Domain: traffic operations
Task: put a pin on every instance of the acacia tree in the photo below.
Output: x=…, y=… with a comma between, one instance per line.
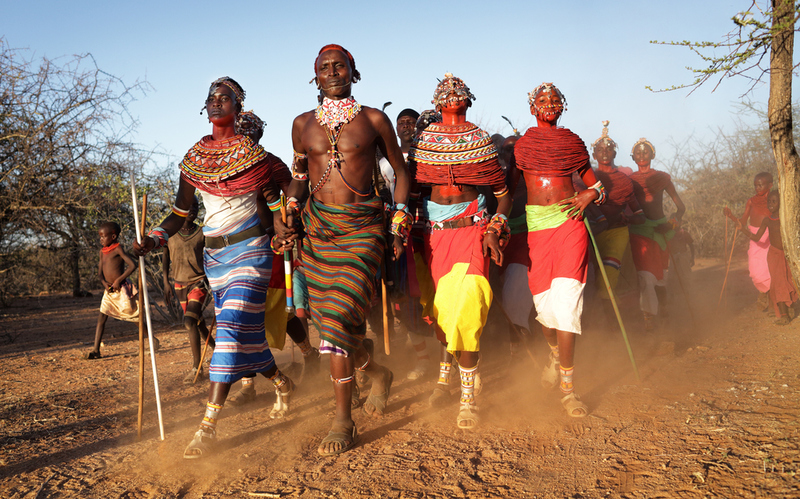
x=762, y=34
x=65, y=153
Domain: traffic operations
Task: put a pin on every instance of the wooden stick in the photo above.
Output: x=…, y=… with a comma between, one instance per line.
x=613, y=299
x=147, y=310
x=205, y=348
x=733, y=245
x=726, y=236
x=141, y=330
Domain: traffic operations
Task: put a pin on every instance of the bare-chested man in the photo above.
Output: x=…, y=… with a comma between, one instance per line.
x=649, y=240
x=548, y=155
x=335, y=147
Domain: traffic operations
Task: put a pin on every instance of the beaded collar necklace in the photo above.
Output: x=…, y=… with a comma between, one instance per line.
x=109, y=248
x=333, y=115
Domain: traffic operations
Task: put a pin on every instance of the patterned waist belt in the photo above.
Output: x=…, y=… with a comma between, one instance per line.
x=454, y=224
x=222, y=241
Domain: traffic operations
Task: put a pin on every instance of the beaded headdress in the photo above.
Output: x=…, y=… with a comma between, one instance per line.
x=229, y=82
x=332, y=46
x=604, y=138
x=547, y=87
x=644, y=141
x=249, y=124
x=451, y=85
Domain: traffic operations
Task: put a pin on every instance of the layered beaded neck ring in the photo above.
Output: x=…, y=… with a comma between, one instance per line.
x=333, y=115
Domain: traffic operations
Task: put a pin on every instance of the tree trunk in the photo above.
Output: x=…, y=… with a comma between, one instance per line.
x=780, y=129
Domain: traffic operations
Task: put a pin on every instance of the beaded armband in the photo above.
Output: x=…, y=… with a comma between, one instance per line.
x=601, y=193
x=181, y=213
x=274, y=205
x=498, y=225
x=301, y=176
x=159, y=237
x=401, y=221
x=502, y=193
x=277, y=248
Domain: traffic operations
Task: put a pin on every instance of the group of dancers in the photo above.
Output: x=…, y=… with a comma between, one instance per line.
x=453, y=209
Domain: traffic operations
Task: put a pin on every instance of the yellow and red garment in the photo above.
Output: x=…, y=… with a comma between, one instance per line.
x=275, y=314
x=612, y=244
x=559, y=259
x=460, y=276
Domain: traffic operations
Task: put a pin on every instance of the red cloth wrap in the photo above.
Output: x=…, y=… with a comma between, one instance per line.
x=646, y=184
x=228, y=167
x=460, y=154
x=618, y=187
x=550, y=152
x=781, y=288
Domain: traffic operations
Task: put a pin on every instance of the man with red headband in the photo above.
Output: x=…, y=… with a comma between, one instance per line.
x=334, y=159
x=649, y=240
x=548, y=155
x=454, y=157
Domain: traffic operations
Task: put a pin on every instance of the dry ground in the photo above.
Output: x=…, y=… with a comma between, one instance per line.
x=714, y=415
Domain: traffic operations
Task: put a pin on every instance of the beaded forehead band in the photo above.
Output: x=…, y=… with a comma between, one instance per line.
x=604, y=138
x=228, y=82
x=546, y=87
x=451, y=85
x=646, y=142
x=332, y=46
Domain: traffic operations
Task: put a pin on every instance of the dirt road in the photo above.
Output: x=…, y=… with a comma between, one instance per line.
x=714, y=415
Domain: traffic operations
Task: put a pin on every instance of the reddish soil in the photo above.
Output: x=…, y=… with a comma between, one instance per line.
x=715, y=414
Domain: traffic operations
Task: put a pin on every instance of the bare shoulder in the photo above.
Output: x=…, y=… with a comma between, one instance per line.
x=301, y=120
x=375, y=116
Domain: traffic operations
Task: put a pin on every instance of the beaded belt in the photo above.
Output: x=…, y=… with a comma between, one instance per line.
x=455, y=224
x=222, y=241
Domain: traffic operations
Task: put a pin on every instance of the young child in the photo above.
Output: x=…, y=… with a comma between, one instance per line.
x=782, y=292
x=114, y=268
x=756, y=210
x=183, y=260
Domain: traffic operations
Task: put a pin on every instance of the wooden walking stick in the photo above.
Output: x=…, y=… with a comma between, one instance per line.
x=141, y=330
x=613, y=299
x=384, y=294
x=143, y=290
x=728, y=268
x=287, y=265
x=205, y=348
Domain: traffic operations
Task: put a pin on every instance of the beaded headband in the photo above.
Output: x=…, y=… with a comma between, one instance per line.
x=604, y=138
x=546, y=87
x=644, y=141
x=228, y=82
x=451, y=85
x=332, y=46
x=248, y=123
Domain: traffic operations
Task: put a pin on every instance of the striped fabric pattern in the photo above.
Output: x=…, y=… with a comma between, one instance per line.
x=342, y=254
x=239, y=276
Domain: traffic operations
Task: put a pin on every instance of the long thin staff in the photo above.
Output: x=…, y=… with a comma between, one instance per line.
x=384, y=294
x=287, y=264
x=141, y=331
x=143, y=290
x=205, y=348
x=613, y=299
x=728, y=268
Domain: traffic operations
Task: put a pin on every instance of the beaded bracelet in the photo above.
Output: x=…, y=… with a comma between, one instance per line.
x=401, y=223
x=276, y=246
x=601, y=193
x=159, y=237
x=498, y=225
x=502, y=193
x=181, y=213
x=301, y=176
x=274, y=205
x=292, y=206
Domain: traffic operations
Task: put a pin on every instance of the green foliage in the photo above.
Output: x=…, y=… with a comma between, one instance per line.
x=745, y=49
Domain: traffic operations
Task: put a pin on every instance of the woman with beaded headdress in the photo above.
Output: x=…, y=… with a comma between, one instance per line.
x=334, y=159
x=233, y=175
x=613, y=241
x=277, y=322
x=548, y=155
x=649, y=240
x=454, y=157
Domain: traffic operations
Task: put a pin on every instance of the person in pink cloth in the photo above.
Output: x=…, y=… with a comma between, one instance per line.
x=754, y=213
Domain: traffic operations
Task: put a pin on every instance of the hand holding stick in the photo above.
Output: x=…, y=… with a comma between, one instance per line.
x=287, y=264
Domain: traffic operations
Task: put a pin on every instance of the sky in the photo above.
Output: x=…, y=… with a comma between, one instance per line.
x=598, y=53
